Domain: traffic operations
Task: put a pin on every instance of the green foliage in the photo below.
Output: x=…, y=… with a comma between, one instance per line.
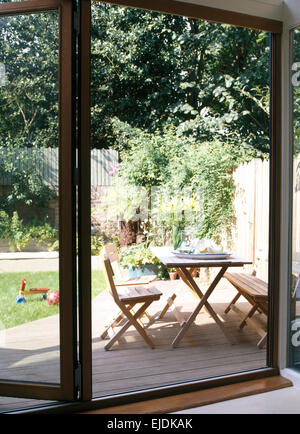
x=27, y=186
x=297, y=121
x=212, y=166
x=296, y=92
x=28, y=104
x=97, y=243
x=29, y=94
x=200, y=190
x=146, y=157
x=188, y=184
x=148, y=69
x=20, y=235
x=4, y=224
x=176, y=235
x=166, y=89
x=12, y=229
x=151, y=70
x=137, y=255
x=41, y=232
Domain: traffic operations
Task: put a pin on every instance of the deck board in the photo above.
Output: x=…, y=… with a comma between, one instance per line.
x=32, y=352
x=204, y=352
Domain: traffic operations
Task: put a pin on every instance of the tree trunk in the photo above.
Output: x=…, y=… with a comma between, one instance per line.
x=128, y=231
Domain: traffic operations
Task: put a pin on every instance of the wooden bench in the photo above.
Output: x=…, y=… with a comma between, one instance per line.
x=255, y=291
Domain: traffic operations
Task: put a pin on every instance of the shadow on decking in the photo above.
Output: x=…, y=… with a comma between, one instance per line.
x=130, y=365
x=204, y=351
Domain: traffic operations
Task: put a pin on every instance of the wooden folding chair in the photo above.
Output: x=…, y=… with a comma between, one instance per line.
x=126, y=298
x=122, y=276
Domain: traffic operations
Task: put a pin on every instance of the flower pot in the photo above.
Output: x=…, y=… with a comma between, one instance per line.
x=144, y=270
x=173, y=275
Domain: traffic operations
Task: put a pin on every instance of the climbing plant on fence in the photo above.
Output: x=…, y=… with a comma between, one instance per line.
x=176, y=182
x=26, y=182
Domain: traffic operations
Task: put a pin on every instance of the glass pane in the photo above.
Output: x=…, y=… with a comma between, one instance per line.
x=295, y=278
x=180, y=152
x=29, y=251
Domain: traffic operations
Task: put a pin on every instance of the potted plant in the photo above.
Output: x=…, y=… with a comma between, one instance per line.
x=177, y=235
x=140, y=261
x=172, y=273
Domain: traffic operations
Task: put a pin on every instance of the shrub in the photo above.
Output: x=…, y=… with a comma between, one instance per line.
x=19, y=235
x=188, y=184
x=27, y=185
x=137, y=255
x=96, y=244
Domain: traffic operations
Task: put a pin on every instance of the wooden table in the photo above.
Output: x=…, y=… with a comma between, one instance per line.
x=184, y=268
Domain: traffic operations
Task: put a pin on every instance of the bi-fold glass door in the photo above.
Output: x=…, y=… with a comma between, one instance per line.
x=294, y=355
x=124, y=86
x=39, y=188
x=38, y=349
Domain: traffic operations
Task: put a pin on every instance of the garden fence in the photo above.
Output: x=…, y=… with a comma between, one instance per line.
x=251, y=203
x=251, y=229
x=45, y=161
x=250, y=234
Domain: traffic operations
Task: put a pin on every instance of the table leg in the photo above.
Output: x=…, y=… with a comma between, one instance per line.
x=263, y=341
x=185, y=276
x=203, y=302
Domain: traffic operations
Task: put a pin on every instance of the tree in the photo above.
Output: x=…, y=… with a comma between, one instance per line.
x=29, y=94
x=148, y=69
x=151, y=70
x=166, y=181
x=296, y=92
x=28, y=104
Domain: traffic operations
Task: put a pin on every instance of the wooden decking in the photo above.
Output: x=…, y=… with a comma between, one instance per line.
x=31, y=351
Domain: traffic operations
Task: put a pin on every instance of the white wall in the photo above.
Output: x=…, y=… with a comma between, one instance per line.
x=291, y=19
x=272, y=9
x=291, y=13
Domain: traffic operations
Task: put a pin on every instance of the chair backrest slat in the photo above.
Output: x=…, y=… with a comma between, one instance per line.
x=112, y=253
x=109, y=276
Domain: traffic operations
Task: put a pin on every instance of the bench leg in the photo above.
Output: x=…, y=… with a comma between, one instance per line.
x=167, y=306
x=249, y=315
x=170, y=305
x=263, y=341
x=232, y=302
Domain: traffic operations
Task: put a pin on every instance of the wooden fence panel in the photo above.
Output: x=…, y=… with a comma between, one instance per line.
x=45, y=162
x=250, y=235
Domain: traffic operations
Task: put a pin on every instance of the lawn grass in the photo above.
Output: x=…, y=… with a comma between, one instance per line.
x=13, y=314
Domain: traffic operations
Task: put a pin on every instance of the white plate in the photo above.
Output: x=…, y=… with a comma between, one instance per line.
x=223, y=255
